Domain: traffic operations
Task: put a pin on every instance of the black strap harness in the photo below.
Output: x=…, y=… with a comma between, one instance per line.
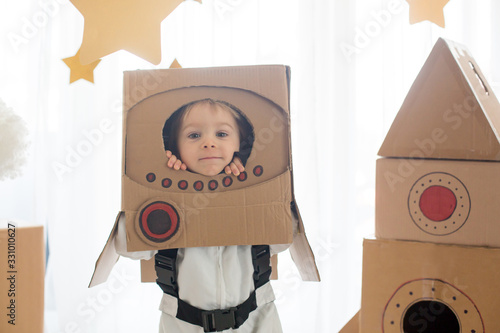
x=212, y=320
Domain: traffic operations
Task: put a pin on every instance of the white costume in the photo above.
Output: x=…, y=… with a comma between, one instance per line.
x=212, y=278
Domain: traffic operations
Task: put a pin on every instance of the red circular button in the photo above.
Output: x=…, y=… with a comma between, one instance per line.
x=258, y=170
x=242, y=176
x=159, y=221
x=198, y=185
x=227, y=181
x=150, y=177
x=166, y=182
x=437, y=203
x=182, y=184
x=212, y=185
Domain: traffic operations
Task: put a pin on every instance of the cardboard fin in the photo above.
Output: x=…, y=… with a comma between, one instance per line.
x=301, y=252
x=107, y=259
x=450, y=111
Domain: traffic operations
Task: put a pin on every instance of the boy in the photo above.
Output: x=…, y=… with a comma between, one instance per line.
x=200, y=129
x=209, y=137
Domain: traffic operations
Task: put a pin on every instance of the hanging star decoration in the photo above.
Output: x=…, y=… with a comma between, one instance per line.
x=130, y=25
x=430, y=10
x=79, y=71
x=175, y=64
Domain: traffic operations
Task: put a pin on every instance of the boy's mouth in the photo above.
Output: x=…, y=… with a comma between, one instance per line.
x=210, y=158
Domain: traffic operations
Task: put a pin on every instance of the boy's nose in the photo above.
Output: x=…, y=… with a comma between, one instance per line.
x=209, y=143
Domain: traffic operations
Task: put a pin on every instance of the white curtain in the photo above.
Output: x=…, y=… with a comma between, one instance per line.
x=352, y=65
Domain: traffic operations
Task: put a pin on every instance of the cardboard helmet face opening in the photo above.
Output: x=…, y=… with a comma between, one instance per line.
x=264, y=144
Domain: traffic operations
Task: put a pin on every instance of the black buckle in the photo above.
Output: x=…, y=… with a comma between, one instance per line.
x=166, y=273
x=261, y=255
x=219, y=320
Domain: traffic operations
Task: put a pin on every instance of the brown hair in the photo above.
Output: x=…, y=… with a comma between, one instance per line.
x=173, y=124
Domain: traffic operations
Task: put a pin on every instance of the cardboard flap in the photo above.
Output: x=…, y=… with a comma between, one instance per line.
x=303, y=257
x=301, y=252
x=450, y=111
x=107, y=258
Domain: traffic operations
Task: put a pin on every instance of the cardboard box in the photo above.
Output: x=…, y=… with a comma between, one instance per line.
x=22, y=265
x=442, y=152
x=257, y=207
x=427, y=287
x=254, y=209
x=442, y=201
x=450, y=111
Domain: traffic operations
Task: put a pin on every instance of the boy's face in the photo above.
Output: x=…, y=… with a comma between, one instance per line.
x=208, y=138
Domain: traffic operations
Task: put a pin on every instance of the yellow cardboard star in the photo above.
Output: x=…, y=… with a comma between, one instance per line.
x=431, y=10
x=175, y=64
x=79, y=71
x=132, y=25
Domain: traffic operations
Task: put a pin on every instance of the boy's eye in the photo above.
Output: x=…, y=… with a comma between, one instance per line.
x=222, y=134
x=194, y=135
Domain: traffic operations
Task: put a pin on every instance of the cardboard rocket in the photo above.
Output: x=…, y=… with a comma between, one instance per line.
x=165, y=208
x=433, y=264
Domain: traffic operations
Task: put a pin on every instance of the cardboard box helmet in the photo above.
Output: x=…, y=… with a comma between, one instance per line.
x=165, y=208
x=168, y=208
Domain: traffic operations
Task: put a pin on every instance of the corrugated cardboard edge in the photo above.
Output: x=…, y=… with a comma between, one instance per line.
x=352, y=325
x=107, y=259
